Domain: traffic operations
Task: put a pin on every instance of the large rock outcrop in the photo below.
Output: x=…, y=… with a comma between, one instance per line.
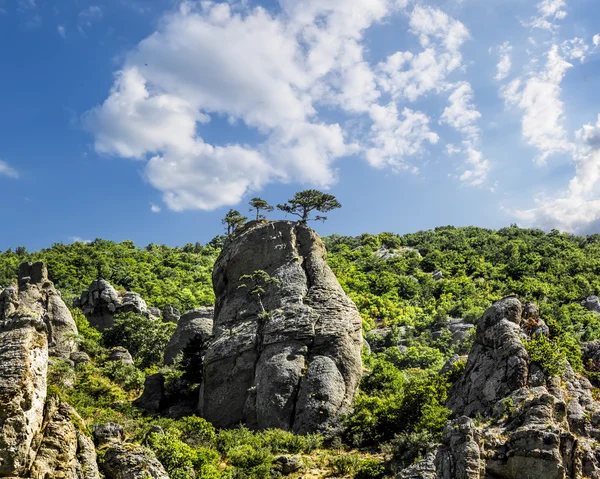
x=297, y=367
x=37, y=297
x=23, y=369
x=195, y=324
x=101, y=302
x=528, y=425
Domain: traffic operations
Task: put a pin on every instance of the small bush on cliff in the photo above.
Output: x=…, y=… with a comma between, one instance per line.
x=304, y=202
x=550, y=357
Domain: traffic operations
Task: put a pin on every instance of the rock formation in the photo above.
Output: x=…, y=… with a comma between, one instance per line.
x=170, y=314
x=529, y=425
x=39, y=438
x=36, y=297
x=197, y=322
x=101, y=302
x=297, y=367
x=591, y=303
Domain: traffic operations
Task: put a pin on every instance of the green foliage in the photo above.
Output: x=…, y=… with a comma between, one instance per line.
x=258, y=205
x=233, y=220
x=127, y=376
x=550, y=357
x=409, y=447
x=304, y=202
x=89, y=338
x=257, y=284
x=143, y=338
x=250, y=463
x=161, y=274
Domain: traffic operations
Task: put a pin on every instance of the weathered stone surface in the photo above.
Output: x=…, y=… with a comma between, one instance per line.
x=296, y=369
x=497, y=364
x=101, y=302
x=79, y=358
x=197, y=322
x=288, y=464
x=119, y=353
x=529, y=425
x=592, y=303
x=108, y=433
x=154, y=314
x=63, y=452
x=23, y=368
x=154, y=392
x=132, y=461
x=36, y=296
x=170, y=314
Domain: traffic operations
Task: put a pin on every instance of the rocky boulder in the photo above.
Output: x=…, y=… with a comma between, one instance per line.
x=132, y=461
x=101, y=302
x=36, y=296
x=195, y=324
x=497, y=364
x=121, y=354
x=170, y=314
x=591, y=303
x=296, y=367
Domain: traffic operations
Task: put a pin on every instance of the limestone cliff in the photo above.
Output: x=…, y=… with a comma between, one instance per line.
x=296, y=368
x=511, y=421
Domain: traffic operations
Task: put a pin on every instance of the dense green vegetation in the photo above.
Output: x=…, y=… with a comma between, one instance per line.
x=400, y=406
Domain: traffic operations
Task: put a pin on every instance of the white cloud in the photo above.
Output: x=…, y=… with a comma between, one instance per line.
x=7, y=170
x=406, y=75
x=462, y=115
x=596, y=40
x=579, y=206
x=539, y=98
x=505, y=62
x=155, y=208
x=62, y=31
x=394, y=138
x=575, y=49
x=548, y=12
x=272, y=73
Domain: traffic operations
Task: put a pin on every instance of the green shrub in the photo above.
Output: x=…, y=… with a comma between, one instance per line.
x=409, y=447
x=250, y=462
x=345, y=465
x=125, y=375
x=547, y=355
x=144, y=339
x=370, y=469
x=197, y=431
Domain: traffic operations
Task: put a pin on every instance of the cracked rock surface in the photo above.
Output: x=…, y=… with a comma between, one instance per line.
x=296, y=369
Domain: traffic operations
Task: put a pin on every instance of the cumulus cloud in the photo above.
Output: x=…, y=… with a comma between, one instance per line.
x=575, y=49
x=155, y=208
x=62, y=31
x=543, y=111
x=273, y=74
x=596, y=40
x=579, y=206
x=78, y=239
x=7, y=170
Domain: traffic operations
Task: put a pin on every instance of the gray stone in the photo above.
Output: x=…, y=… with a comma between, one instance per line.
x=497, y=363
x=132, y=461
x=296, y=369
x=79, y=358
x=288, y=464
x=591, y=303
x=197, y=323
x=154, y=392
x=120, y=354
x=437, y=275
x=108, y=433
x=154, y=314
x=23, y=370
x=170, y=314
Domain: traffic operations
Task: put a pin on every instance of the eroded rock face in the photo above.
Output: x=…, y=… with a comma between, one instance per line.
x=37, y=297
x=23, y=369
x=63, y=451
x=101, y=302
x=497, y=364
x=197, y=322
x=529, y=425
x=296, y=369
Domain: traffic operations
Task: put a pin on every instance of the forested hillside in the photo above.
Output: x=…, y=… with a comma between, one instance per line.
x=408, y=290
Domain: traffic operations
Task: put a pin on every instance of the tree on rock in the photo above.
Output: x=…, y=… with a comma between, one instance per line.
x=233, y=219
x=259, y=205
x=256, y=284
x=306, y=201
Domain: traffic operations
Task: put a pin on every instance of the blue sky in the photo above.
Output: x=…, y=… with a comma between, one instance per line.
x=148, y=120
